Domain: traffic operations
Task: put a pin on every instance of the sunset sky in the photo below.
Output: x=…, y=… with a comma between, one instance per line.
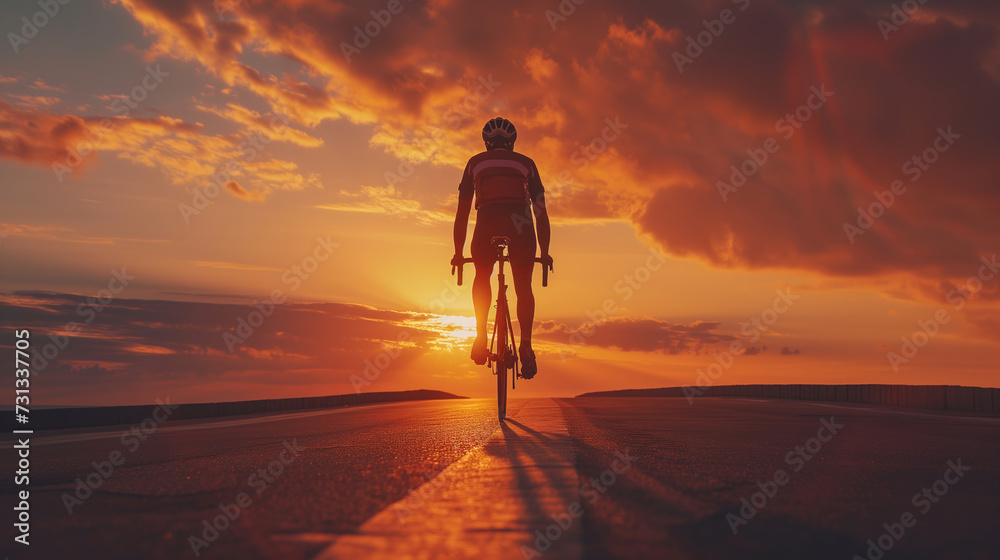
x=207, y=148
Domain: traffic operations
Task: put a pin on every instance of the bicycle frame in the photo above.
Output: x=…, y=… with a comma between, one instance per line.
x=502, y=356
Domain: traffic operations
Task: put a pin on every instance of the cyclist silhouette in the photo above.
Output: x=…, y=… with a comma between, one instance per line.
x=504, y=184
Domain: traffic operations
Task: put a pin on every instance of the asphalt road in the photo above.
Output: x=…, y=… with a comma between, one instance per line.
x=565, y=478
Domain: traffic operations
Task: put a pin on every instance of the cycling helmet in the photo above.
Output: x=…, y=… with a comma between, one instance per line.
x=499, y=131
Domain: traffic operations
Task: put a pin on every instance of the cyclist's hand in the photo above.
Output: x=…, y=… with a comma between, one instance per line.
x=457, y=260
x=547, y=261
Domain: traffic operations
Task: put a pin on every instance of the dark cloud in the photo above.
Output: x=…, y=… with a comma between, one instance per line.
x=636, y=335
x=891, y=99
x=133, y=342
x=238, y=190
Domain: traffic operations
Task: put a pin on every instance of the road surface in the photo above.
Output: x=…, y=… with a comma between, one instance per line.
x=564, y=478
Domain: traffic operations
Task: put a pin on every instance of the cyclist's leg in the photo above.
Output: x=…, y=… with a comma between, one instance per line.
x=482, y=296
x=525, y=318
x=522, y=255
x=525, y=303
x=483, y=257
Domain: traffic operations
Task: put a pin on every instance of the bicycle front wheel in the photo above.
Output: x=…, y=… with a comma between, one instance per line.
x=501, y=362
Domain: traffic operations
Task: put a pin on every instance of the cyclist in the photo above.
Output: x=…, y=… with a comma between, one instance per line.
x=504, y=184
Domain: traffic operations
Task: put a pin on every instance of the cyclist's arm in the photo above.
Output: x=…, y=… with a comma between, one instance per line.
x=542, y=223
x=462, y=223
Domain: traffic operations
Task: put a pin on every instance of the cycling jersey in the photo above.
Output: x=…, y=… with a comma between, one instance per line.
x=500, y=175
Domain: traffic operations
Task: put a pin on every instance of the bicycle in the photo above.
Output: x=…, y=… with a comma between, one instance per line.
x=504, y=358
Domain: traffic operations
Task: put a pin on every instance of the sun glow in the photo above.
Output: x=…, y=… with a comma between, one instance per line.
x=454, y=330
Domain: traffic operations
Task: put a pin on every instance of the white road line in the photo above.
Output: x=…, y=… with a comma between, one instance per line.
x=492, y=503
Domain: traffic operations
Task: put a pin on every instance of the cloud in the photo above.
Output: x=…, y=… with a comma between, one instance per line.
x=240, y=192
x=388, y=201
x=132, y=345
x=40, y=84
x=253, y=120
x=234, y=266
x=889, y=106
x=66, y=235
x=631, y=334
x=685, y=128
x=70, y=144
x=538, y=66
x=426, y=83
x=34, y=101
x=789, y=352
x=39, y=138
x=979, y=322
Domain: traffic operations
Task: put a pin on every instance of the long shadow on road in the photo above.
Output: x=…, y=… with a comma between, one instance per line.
x=673, y=504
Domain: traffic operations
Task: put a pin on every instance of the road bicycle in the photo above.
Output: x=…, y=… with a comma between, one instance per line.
x=502, y=357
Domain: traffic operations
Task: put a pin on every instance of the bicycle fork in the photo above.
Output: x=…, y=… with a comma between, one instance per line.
x=506, y=354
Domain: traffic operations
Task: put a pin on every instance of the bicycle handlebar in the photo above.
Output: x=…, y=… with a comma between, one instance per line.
x=545, y=269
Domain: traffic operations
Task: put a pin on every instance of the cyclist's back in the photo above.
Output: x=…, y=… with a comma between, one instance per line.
x=503, y=184
x=500, y=175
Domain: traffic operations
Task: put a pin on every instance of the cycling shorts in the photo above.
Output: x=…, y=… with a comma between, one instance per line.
x=512, y=220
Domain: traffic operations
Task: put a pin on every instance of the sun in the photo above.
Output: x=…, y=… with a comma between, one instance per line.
x=453, y=330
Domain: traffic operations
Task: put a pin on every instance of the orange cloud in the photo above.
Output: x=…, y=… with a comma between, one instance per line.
x=388, y=201
x=431, y=77
x=34, y=101
x=538, y=66
x=253, y=120
x=69, y=144
x=40, y=84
